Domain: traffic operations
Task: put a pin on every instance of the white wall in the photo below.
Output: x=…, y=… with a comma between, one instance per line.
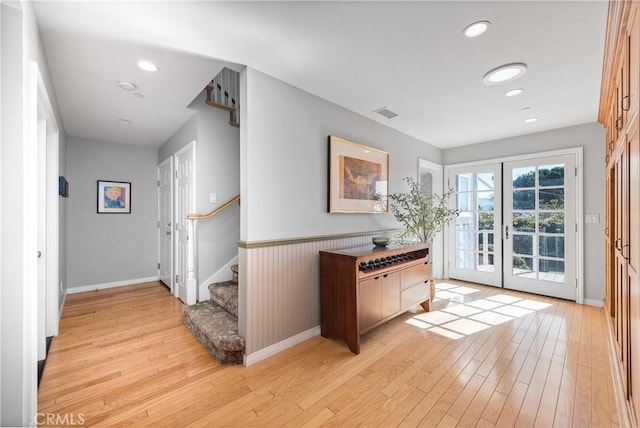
x=591, y=138
x=284, y=152
x=21, y=46
x=217, y=171
x=108, y=248
x=285, y=161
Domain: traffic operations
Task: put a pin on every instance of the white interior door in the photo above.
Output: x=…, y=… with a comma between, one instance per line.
x=540, y=226
x=165, y=223
x=48, y=218
x=185, y=204
x=475, y=248
x=42, y=237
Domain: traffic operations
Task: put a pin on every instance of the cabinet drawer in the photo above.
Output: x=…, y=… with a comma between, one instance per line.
x=414, y=275
x=413, y=295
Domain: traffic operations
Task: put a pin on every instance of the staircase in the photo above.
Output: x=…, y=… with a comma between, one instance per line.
x=215, y=322
x=224, y=93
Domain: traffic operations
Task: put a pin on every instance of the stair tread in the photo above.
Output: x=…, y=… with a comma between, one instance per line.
x=225, y=294
x=215, y=324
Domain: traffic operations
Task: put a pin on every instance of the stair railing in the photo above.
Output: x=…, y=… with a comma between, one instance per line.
x=192, y=268
x=223, y=93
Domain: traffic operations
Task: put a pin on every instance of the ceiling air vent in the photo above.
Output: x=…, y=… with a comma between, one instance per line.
x=385, y=112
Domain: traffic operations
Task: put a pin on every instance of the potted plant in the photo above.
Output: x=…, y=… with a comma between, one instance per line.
x=423, y=215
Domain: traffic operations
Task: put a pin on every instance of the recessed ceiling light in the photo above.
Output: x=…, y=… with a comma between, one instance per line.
x=504, y=73
x=138, y=94
x=125, y=121
x=476, y=29
x=127, y=86
x=147, y=65
x=514, y=92
x=531, y=120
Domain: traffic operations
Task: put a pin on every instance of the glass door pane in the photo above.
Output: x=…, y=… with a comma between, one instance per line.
x=475, y=250
x=539, y=201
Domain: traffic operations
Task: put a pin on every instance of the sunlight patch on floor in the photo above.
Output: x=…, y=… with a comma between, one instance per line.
x=460, y=319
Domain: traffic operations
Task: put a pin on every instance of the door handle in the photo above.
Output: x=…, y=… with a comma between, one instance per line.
x=506, y=231
x=168, y=233
x=39, y=254
x=622, y=252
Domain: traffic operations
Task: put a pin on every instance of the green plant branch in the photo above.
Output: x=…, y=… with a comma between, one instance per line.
x=421, y=214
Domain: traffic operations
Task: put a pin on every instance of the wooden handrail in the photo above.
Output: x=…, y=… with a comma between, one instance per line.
x=214, y=211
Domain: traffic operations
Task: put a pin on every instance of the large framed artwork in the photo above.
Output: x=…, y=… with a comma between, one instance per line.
x=114, y=197
x=358, y=177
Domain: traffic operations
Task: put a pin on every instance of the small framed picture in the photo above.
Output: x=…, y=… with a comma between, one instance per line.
x=114, y=197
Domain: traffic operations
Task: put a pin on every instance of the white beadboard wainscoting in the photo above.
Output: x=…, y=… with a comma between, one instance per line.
x=279, y=290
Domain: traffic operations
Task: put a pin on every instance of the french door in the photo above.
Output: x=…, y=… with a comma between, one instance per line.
x=517, y=226
x=540, y=227
x=476, y=250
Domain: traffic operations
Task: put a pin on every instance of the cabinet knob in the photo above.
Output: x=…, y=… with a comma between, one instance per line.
x=619, y=123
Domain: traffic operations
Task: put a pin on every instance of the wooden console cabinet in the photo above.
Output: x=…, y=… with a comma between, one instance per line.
x=361, y=288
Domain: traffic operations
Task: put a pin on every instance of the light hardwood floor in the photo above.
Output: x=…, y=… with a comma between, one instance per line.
x=482, y=357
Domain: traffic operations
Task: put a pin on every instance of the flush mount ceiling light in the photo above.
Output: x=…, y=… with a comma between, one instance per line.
x=138, y=94
x=476, y=29
x=147, y=65
x=127, y=86
x=125, y=121
x=531, y=120
x=504, y=73
x=513, y=92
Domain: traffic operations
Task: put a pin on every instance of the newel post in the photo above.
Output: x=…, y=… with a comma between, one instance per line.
x=192, y=268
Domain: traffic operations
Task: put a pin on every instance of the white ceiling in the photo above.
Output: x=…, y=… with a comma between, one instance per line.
x=410, y=57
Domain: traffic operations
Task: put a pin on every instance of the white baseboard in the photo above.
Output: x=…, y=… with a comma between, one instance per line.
x=280, y=346
x=95, y=287
x=223, y=274
x=593, y=302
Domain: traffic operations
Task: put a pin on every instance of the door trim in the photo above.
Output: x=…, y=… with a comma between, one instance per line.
x=578, y=152
x=435, y=253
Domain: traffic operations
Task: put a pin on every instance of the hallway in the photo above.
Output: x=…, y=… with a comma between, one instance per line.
x=483, y=356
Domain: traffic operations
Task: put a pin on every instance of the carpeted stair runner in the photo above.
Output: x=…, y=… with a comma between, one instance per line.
x=215, y=322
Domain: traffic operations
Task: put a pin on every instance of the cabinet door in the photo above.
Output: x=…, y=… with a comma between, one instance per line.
x=621, y=236
x=633, y=268
x=390, y=293
x=634, y=62
x=609, y=238
x=369, y=303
